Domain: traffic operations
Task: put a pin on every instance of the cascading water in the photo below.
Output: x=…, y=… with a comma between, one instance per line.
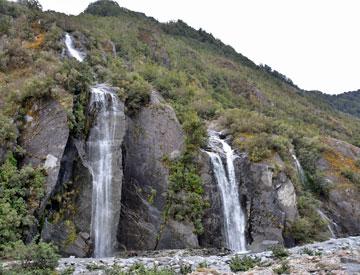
x=79, y=56
x=299, y=169
x=102, y=145
x=234, y=217
x=328, y=221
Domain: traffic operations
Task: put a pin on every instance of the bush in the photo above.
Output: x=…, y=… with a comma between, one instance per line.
x=41, y=256
x=140, y=269
x=137, y=94
x=351, y=176
x=8, y=131
x=279, y=252
x=185, y=269
x=283, y=269
x=21, y=191
x=245, y=263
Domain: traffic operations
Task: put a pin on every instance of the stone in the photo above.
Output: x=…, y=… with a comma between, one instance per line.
x=153, y=134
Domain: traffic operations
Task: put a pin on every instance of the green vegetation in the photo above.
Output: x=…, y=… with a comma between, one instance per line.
x=21, y=191
x=244, y=263
x=140, y=269
x=41, y=258
x=310, y=225
x=185, y=269
x=351, y=176
x=310, y=252
x=202, y=78
x=283, y=269
x=279, y=252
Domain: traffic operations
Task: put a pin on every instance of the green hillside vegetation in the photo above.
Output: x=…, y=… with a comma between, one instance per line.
x=202, y=78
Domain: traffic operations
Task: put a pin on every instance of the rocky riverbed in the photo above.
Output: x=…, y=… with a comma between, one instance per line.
x=336, y=256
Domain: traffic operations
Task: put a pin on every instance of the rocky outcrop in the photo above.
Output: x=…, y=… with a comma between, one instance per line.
x=213, y=220
x=270, y=202
x=68, y=218
x=44, y=139
x=153, y=134
x=268, y=197
x=68, y=222
x=342, y=204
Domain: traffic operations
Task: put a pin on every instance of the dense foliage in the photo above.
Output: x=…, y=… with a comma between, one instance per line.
x=204, y=80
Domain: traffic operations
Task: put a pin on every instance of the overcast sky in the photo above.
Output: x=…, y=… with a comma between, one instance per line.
x=314, y=42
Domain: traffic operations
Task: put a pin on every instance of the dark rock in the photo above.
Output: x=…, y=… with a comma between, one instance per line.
x=153, y=134
x=213, y=222
x=44, y=139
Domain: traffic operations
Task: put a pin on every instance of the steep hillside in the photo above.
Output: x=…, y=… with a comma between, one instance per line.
x=173, y=83
x=347, y=102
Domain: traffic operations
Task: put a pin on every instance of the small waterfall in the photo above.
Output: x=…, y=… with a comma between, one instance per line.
x=299, y=169
x=73, y=52
x=102, y=145
x=234, y=218
x=329, y=222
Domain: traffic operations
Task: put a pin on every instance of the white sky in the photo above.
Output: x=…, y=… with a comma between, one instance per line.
x=314, y=42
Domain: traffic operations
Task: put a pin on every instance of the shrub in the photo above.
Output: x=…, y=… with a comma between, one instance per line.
x=203, y=265
x=283, y=269
x=351, y=176
x=21, y=191
x=140, y=269
x=137, y=94
x=42, y=256
x=245, y=263
x=279, y=252
x=8, y=131
x=185, y=269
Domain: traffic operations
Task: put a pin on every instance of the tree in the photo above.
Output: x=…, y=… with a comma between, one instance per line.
x=31, y=4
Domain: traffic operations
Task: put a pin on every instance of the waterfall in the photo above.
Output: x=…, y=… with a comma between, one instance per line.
x=73, y=52
x=329, y=222
x=102, y=145
x=299, y=169
x=234, y=218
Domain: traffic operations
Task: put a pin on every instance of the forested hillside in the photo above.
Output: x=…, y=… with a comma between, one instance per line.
x=207, y=84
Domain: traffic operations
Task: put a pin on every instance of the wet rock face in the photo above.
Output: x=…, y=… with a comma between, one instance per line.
x=44, y=138
x=153, y=134
x=270, y=202
x=69, y=229
x=342, y=204
x=213, y=222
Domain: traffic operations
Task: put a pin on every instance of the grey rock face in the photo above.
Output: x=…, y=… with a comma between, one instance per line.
x=271, y=206
x=213, y=222
x=153, y=134
x=342, y=205
x=269, y=200
x=44, y=138
x=75, y=174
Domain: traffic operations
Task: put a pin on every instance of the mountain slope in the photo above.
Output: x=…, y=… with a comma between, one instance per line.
x=163, y=70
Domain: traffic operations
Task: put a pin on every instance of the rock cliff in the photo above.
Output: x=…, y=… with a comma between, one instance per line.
x=153, y=134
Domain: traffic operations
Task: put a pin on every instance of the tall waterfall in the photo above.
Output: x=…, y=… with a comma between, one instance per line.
x=234, y=218
x=102, y=146
x=72, y=50
x=299, y=169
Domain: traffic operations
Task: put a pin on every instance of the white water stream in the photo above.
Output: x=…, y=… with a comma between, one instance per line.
x=234, y=217
x=79, y=56
x=101, y=145
x=323, y=216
